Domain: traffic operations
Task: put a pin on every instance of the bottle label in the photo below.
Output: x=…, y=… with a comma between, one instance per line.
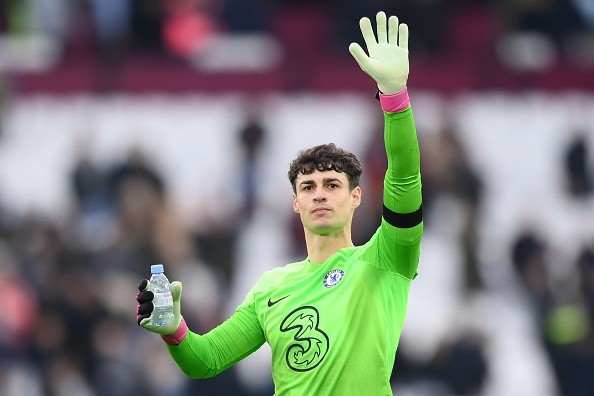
x=163, y=300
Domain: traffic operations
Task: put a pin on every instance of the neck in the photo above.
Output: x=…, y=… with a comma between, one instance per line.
x=321, y=247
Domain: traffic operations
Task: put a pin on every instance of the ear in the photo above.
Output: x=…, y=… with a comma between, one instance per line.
x=295, y=204
x=356, y=197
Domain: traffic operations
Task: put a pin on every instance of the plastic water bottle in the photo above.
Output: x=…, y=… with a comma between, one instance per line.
x=163, y=300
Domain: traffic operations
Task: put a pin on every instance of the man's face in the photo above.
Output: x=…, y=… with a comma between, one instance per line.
x=324, y=201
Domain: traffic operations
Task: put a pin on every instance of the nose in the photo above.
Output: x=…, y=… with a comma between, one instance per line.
x=319, y=196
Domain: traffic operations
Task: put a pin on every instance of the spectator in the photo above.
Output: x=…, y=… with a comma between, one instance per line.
x=448, y=173
x=577, y=167
x=461, y=363
x=251, y=136
x=530, y=261
x=570, y=334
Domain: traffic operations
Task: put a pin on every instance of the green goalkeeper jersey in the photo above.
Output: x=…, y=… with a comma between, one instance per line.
x=334, y=327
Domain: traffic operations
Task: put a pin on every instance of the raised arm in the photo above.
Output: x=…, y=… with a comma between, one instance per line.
x=386, y=61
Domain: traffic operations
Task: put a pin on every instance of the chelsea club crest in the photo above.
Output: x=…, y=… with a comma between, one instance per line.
x=333, y=277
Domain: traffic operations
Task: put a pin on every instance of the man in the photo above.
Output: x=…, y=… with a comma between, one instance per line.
x=333, y=320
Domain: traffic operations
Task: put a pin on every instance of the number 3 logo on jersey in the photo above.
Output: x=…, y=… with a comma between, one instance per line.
x=312, y=343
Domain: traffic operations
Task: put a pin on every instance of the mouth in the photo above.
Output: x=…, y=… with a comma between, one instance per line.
x=320, y=210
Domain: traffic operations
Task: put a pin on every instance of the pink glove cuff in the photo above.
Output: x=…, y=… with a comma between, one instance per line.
x=395, y=102
x=179, y=335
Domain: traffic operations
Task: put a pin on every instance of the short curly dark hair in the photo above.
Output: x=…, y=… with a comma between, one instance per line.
x=326, y=157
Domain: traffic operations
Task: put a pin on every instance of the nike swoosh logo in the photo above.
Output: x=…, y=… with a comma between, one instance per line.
x=271, y=303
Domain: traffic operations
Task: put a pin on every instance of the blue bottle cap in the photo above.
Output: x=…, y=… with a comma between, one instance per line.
x=157, y=269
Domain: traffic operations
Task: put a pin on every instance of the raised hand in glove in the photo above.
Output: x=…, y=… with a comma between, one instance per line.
x=145, y=307
x=387, y=62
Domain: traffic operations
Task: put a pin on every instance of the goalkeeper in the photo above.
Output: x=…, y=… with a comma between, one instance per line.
x=333, y=320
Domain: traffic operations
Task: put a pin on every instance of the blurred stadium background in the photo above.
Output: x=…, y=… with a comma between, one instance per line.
x=135, y=132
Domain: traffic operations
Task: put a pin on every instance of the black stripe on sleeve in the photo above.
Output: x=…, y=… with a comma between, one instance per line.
x=403, y=220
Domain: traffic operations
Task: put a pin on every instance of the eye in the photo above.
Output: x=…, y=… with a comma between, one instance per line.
x=307, y=188
x=332, y=185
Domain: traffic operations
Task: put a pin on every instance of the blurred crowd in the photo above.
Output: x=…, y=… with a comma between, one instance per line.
x=68, y=281
x=162, y=23
x=510, y=42
x=67, y=324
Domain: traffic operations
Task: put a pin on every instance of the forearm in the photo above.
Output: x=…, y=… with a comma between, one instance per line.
x=402, y=184
x=204, y=356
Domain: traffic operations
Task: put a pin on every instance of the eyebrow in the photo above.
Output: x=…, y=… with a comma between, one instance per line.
x=324, y=180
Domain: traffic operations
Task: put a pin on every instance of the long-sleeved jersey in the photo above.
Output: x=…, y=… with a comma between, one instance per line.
x=334, y=327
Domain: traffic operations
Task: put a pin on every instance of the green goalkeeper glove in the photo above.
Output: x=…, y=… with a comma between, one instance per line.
x=145, y=307
x=387, y=62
